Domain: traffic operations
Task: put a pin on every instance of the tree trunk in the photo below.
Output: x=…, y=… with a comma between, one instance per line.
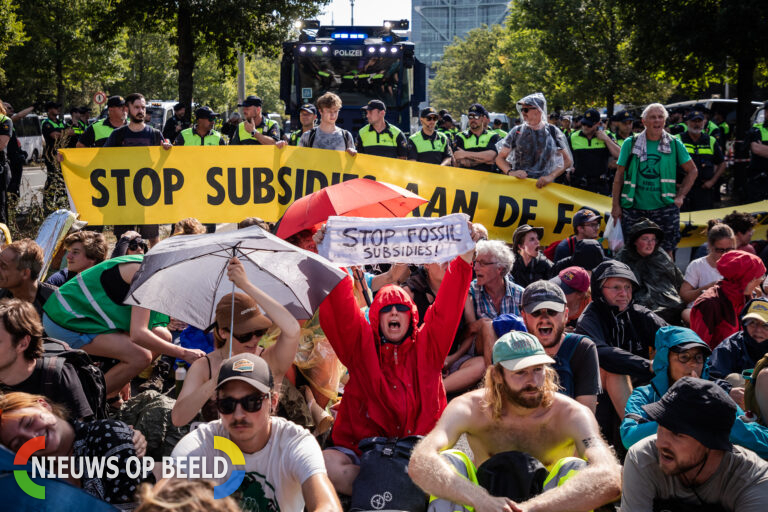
x=745, y=77
x=186, y=59
x=59, y=74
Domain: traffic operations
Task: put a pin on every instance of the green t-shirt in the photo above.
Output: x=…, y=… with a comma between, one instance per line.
x=648, y=185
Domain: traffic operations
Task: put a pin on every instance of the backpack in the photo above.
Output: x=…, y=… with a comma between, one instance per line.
x=563, y=362
x=549, y=252
x=56, y=354
x=313, y=134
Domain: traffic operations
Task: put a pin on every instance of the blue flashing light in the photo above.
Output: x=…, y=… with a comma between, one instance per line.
x=349, y=35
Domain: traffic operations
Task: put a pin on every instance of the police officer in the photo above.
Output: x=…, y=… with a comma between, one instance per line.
x=97, y=134
x=6, y=132
x=307, y=118
x=75, y=128
x=52, y=128
x=428, y=145
x=379, y=137
x=476, y=147
x=202, y=133
x=176, y=122
x=497, y=129
x=623, y=121
x=675, y=120
x=255, y=128
x=592, y=148
x=447, y=127
x=758, y=165
x=708, y=157
x=725, y=130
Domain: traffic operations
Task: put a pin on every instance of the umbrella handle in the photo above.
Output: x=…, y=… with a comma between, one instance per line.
x=360, y=276
x=232, y=311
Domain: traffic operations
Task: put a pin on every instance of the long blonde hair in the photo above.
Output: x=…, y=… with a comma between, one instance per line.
x=496, y=389
x=183, y=495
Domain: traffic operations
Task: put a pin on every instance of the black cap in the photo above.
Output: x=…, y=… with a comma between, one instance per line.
x=698, y=408
x=308, y=107
x=375, y=105
x=497, y=121
x=248, y=368
x=74, y=109
x=543, y=295
x=623, y=115
x=695, y=114
x=251, y=101
x=429, y=111
x=178, y=107
x=585, y=215
x=477, y=109
x=84, y=110
x=524, y=229
x=591, y=117
x=116, y=101
x=51, y=104
x=447, y=117
x=205, y=113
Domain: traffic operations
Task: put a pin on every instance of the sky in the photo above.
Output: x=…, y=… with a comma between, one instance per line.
x=367, y=12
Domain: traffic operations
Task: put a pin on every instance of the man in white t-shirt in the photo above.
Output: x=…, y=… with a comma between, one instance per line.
x=284, y=468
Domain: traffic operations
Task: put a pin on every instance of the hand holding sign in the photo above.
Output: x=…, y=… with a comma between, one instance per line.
x=358, y=241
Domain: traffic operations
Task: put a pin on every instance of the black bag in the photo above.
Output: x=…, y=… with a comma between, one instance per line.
x=515, y=475
x=56, y=354
x=383, y=482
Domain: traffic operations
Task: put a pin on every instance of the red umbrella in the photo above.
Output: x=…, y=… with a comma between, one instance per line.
x=355, y=198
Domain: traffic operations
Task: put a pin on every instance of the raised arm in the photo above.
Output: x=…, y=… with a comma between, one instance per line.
x=197, y=389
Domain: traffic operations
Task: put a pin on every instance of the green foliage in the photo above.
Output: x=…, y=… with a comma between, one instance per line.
x=11, y=30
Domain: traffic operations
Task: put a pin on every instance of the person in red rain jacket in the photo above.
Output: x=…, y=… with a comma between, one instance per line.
x=395, y=386
x=715, y=314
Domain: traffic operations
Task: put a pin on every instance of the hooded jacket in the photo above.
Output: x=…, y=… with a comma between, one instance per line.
x=538, y=268
x=636, y=425
x=393, y=390
x=657, y=274
x=715, y=313
x=623, y=339
x=739, y=351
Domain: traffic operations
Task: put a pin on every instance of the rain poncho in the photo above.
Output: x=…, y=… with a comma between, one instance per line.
x=636, y=424
x=535, y=149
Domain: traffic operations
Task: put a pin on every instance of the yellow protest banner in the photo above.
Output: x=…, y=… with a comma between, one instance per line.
x=150, y=185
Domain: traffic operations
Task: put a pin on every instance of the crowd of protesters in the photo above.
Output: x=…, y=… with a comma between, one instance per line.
x=514, y=377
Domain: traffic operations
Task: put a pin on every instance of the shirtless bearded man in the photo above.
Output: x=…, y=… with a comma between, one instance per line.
x=520, y=410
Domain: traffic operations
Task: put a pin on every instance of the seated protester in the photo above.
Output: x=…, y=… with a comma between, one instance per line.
x=130, y=243
x=25, y=416
x=574, y=281
x=518, y=423
x=492, y=293
x=530, y=264
x=250, y=325
x=756, y=392
x=715, y=314
x=183, y=495
x=743, y=226
x=283, y=463
x=623, y=333
x=587, y=254
x=681, y=353
x=586, y=226
x=690, y=464
x=21, y=356
x=88, y=313
x=461, y=369
x=20, y=266
x=545, y=312
x=701, y=273
x=84, y=250
x=188, y=226
x=742, y=350
x=658, y=277
x=395, y=387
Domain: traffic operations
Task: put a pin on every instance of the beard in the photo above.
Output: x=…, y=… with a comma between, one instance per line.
x=558, y=330
x=136, y=119
x=517, y=398
x=681, y=467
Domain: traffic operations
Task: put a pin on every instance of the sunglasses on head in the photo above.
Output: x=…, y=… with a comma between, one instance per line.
x=547, y=312
x=402, y=308
x=250, y=403
x=246, y=336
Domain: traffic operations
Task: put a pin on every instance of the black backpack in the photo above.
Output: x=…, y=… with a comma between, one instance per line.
x=313, y=134
x=56, y=354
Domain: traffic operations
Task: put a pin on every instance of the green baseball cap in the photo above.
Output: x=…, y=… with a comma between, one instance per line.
x=518, y=350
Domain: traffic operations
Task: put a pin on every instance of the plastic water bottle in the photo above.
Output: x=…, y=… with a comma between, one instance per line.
x=181, y=374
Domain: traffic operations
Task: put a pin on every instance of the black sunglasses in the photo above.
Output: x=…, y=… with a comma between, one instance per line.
x=242, y=338
x=548, y=312
x=250, y=403
x=135, y=243
x=402, y=308
x=431, y=118
x=525, y=110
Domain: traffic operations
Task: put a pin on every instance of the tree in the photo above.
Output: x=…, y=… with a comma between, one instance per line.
x=587, y=44
x=11, y=30
x=216, y=27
